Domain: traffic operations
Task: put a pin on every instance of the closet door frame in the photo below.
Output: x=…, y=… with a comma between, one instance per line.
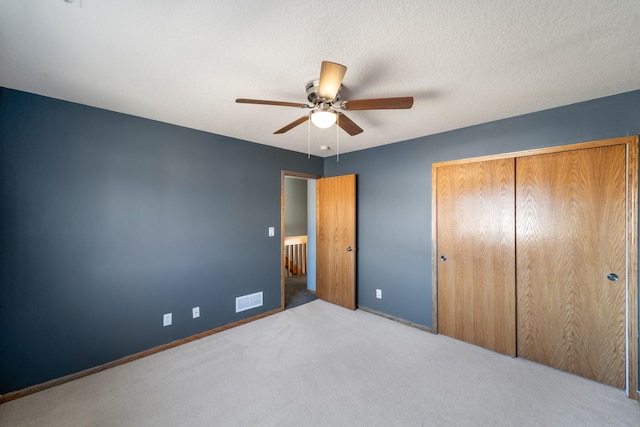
x=631, y=143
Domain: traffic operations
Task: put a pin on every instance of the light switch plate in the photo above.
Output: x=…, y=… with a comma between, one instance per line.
x=272, y=231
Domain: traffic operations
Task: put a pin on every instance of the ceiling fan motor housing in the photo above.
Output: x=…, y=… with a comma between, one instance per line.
x=312, y=93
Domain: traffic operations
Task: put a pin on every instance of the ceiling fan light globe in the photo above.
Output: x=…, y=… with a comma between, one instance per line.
x=323, y=119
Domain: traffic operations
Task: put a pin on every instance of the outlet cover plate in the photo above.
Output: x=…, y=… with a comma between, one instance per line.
x=195, y=311
x=379, y=293
x=167, y=319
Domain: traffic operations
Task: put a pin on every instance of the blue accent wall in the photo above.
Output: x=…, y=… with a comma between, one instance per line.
x=108, y=221
x=394, y=191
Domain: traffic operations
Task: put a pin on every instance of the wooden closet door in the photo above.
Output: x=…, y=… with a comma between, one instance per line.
x=570, y=216
x=476, y=265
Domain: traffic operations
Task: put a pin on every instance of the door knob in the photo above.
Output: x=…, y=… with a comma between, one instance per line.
x=612, y=276
x=444, y=258
x=349, y=249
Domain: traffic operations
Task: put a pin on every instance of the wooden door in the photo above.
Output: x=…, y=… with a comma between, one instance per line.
x=476, y=253
x=571, y=225
x=336, y=240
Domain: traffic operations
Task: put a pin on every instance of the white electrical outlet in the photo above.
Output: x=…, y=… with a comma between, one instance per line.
x=272, y=231
x=167, y=319
x=195, y=311
x=379, y=293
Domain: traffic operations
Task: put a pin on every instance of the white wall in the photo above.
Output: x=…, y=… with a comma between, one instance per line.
x=311, y=234
x=295, y=206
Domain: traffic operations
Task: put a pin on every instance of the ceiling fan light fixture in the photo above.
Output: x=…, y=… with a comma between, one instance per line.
x=323, y=118
x=323, y=96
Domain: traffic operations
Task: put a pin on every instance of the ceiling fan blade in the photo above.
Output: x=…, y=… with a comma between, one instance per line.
x=292, y=125
x=348, y=125
x=264, y=102
x=331, y=75
x=378, y=104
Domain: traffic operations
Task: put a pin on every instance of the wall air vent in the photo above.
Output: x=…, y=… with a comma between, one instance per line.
x=247, y=302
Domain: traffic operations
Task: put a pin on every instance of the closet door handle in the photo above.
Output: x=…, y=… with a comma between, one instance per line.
x=443, y=258
x=349, y=249
x=612, y=276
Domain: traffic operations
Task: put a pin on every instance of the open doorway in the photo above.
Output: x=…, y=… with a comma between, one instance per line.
x=298, y=239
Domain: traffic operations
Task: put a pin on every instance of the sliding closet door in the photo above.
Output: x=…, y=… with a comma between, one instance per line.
x=571, y=225
x=476, y=253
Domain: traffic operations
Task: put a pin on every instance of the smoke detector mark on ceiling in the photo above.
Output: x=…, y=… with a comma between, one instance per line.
x=76, y=3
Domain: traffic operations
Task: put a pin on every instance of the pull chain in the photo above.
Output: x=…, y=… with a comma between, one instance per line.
x=309, y=137
x=338, y=138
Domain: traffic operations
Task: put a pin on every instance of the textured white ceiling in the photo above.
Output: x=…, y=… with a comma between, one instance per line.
x=185, y=62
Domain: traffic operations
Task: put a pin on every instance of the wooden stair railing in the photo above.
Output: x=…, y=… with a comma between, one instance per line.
x=295, y=255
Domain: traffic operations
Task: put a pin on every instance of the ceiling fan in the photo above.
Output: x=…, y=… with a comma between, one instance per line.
x=324, y=102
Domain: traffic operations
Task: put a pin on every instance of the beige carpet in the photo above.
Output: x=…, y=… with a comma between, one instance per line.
x=322, y=365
